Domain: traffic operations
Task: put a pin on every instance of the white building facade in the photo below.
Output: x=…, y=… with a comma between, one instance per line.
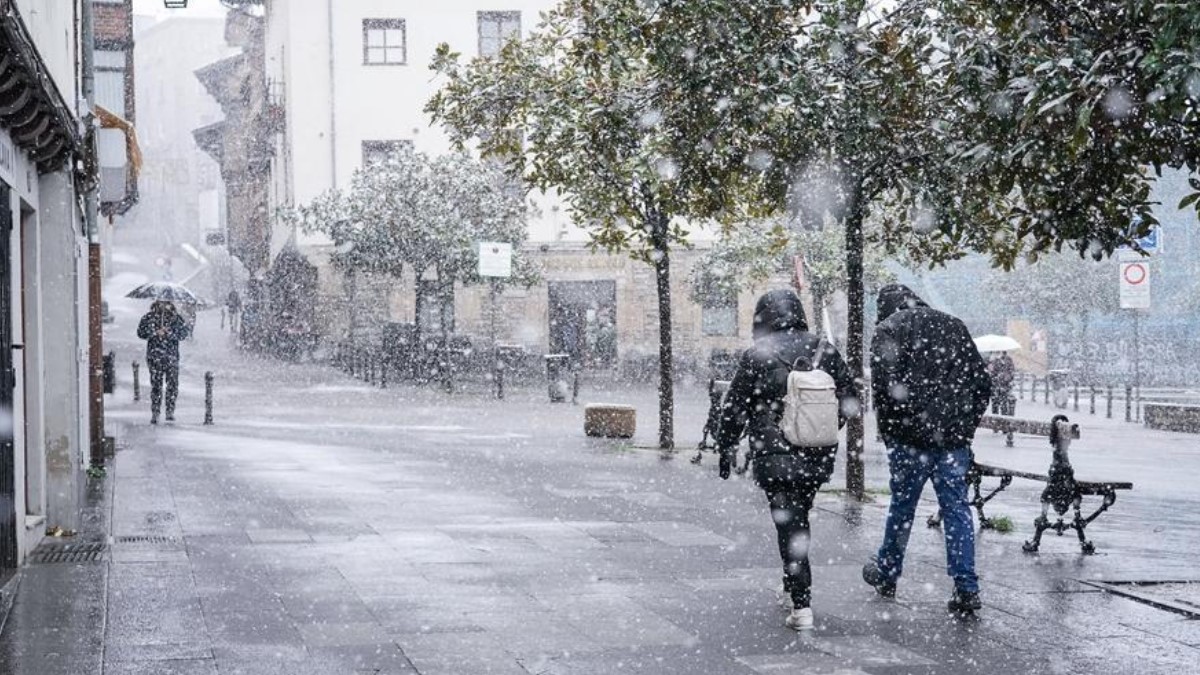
x=351, y=79
x=44, y=412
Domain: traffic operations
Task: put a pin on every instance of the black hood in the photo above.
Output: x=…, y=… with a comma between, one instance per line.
x=779, y=311
x=895, y=297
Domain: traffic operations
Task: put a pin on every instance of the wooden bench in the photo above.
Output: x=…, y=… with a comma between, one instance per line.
x=1062, y=492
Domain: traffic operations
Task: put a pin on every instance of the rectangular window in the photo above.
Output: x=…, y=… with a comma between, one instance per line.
x=719, y=314
x=383, y=152
x=497, y=28
x=385, y=42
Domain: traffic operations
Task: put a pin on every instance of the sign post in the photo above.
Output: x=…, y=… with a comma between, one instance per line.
x=1135, y=296
x=495, y=263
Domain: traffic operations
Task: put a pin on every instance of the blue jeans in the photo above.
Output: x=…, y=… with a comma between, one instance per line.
x=911, y=467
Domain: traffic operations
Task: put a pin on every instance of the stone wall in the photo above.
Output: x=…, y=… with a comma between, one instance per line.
x=522, y=315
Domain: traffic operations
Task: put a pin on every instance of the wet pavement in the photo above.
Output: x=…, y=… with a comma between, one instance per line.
x=325, y=526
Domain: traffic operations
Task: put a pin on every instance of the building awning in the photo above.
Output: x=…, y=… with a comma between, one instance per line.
x=31, y=107
x=111, y=120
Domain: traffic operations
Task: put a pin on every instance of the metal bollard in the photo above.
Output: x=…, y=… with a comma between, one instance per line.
x=1092, y=397
x=1033, y=390
x=575, y=389
x=371, y=368
x=1076, y=397
x=1021, y=387
x=499, y=381
x=1128, y=403
x=137, y=382
x=208, y=397
x=1046, y=382
x=1109, y=411
x=383, y=364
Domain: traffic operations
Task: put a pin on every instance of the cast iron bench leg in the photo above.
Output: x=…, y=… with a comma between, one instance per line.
x=1040, y=525
x=1080, y=526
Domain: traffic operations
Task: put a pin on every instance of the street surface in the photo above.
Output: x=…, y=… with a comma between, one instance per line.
x=325, y=526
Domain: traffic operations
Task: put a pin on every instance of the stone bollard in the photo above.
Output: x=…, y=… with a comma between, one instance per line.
x=137, y=382
x=208, y=398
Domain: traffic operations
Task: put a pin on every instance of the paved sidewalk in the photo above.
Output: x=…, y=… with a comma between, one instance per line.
x=323, y=526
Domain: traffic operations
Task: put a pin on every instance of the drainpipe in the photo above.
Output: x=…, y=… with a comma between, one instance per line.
x=92, y=225
x=333, y=183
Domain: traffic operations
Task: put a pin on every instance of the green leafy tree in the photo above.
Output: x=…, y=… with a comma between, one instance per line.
x=573, y=109
x=423, y=215
x=1072, y=108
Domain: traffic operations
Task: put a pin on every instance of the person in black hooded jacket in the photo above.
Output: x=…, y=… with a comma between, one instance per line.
x=163, y=328
x=931, y=388
x=789, y=475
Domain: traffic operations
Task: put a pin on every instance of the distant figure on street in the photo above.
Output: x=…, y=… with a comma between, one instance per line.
x=233, y=305
x=789, y=474
x=163, y=328
x=1003, y=372
x=931, y=389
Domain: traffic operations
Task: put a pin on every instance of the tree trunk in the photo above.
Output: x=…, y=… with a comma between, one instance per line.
x=818, y=319
x=666, y=379
x=418, y=302
x=855, y=480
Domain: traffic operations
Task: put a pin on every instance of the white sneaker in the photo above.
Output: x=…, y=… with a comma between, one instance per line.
x=800, y=619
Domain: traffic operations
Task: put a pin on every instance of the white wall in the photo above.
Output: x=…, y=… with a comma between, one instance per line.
x=52, y=25
x=370, y=102
x=63, y=281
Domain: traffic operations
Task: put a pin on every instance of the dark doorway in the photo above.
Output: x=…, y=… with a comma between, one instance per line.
x=583, y=321
x=8, y=478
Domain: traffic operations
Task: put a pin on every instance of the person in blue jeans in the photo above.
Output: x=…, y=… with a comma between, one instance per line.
x=931, y=388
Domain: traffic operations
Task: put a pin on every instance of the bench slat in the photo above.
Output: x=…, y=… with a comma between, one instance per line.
x=1086, y=487
x=1020, y=426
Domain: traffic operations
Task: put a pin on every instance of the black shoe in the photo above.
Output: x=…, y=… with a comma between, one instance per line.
x=170, y=417
x=964, y=603
x=874, y=577
x=154, y=418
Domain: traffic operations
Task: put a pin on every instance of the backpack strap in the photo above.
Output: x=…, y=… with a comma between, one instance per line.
x=813, y=361
x=816, y=357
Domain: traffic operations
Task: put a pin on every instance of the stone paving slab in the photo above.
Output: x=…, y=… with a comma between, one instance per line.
x=325, y=527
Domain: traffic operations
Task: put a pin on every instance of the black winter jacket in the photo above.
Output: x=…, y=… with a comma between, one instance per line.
x=930, y=384
x=754, y=402
x=162, y=351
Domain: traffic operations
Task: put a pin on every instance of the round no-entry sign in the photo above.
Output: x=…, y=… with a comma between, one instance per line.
x=1134, y=273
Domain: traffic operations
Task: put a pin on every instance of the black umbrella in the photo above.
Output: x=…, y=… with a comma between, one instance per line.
x=170, y=291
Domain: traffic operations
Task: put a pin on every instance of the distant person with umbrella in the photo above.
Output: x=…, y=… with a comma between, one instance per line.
x=1003, y=372
x=163, y=328
x=233, y=304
